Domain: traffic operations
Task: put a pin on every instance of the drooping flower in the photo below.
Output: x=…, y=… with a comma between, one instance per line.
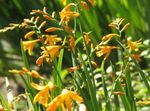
x=29, y=45
x=66, y=98
x=133, y=46
x=66, y=14
x=104, y=50
x=43, y=95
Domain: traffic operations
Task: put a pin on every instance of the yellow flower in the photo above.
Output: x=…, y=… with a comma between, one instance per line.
x=66, y=14
x=104, y=50
x=66, y=98
x=52, y=39
x=53, y=51
x=64, y=2
x=29, y=45
x=48, y=53
x=43, y=95
x=133, y=46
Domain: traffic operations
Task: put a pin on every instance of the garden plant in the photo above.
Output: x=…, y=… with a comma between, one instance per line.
x=83, y=75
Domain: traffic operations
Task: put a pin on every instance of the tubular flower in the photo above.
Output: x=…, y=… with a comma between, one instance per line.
x=72, y=43
x=29, y=45
x=43, y=94
x=52, y=29
x=133, y=46
x=52, y=51
x=66, y=98
x=66, y=14
x=107, y=38
x=87, y=38
x=104, y=50
x=29, y=34
x=48, y=53
x=52, y=39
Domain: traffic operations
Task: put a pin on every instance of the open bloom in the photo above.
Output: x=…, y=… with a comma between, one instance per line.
x=48, y=54
x=133, y=46
x=66, y=98
x=29, y=45
x=66, y=14
x=104, y=50
x=43, y=95
x=52, y=39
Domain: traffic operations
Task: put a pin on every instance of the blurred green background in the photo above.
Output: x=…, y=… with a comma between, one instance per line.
x=96, y=20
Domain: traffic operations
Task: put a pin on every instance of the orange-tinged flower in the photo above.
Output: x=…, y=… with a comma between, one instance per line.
x=72, y=43
x=146, y=102
x=43, y=95
x=109, y=36
x=66, y=14
x=87, y=37
x=29, y=45
x=53, y=51
x=133, y=46
x=24, y=70
x=51, y=29
x=72, y=69
x=104, y=50
x=119, y=93
x=84, y=5
x=29, y=34
x=91, y=2
x=39, y=61
x=52, y=39
x=66, y=98
x=136, y=57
